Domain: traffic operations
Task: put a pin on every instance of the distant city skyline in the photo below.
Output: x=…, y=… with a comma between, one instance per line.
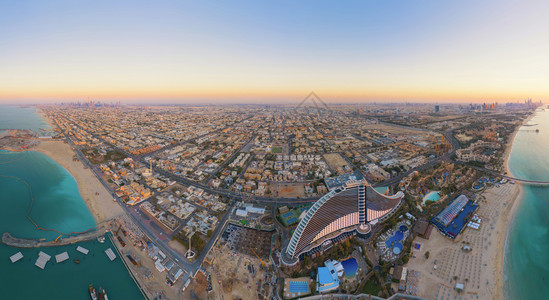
x=251, y=52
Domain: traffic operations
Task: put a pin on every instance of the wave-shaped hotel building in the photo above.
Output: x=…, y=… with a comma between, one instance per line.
x=351, y=209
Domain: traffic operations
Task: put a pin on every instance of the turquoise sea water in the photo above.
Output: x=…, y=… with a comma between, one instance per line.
x=13, y=117
x=526, y=259
x=57, y=205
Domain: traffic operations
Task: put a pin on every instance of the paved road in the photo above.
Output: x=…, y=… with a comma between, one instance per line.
x=449, y=136
x=160, y=239
x=228, y=160
x=139, y=157
x=360, y=296
x=179, y=260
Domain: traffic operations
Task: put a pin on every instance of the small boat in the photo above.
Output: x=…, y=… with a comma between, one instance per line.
x=101, y=294
x=77, y=261
x=93, y=296
x=101, y=239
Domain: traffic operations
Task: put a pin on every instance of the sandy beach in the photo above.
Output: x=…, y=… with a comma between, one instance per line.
x=481, y=269
x=101, y=205
x=508, y=219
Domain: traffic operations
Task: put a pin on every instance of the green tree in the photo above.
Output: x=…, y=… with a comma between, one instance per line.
x=427, y=255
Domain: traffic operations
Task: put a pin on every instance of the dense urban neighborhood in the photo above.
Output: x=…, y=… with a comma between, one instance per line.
x=272, y=202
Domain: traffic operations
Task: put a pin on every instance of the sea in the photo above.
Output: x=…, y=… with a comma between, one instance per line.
x=526, y=257
x=57, y=205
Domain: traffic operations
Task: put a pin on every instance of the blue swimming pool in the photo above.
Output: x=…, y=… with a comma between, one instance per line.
x=394, y=242
x=397, y=248
x=299, y=287
x=350, y=266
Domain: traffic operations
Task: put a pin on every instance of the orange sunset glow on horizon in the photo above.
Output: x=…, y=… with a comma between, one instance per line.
x=185, y=52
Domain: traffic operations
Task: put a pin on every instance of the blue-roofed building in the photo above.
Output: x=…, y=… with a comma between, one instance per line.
x=452, y=220
x=327, y=278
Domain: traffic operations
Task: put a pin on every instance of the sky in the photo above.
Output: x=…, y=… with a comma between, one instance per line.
x=274, y=51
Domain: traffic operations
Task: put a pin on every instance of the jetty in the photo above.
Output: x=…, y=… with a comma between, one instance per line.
x=110, y=254
x=513, y=179
x=62, y=257
x=16, y=257
x=12, y=241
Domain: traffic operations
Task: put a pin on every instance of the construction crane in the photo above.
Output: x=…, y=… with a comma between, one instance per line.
x=262, y=263
x=59, y=237
x=118, y=229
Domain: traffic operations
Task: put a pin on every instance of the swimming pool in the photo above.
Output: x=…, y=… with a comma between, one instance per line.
x=431, y=196
x=350, y=266
x=394, y=242
x=299, y=287
x=397, y=248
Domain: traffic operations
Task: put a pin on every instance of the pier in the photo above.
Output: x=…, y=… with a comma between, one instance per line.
x=519, y=180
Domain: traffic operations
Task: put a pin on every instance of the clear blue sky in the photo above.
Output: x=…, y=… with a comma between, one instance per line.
x=268, y=50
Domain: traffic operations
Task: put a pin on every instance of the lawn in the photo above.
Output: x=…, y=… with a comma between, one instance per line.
x=276, y=150
x=371, y=287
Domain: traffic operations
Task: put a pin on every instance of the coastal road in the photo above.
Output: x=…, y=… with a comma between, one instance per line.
x=159, y=239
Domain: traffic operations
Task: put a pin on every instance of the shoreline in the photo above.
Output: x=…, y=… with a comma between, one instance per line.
x=481, y=268
x=94, y=194
x=43, y=116
x=509, y=214
x=96, y=197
